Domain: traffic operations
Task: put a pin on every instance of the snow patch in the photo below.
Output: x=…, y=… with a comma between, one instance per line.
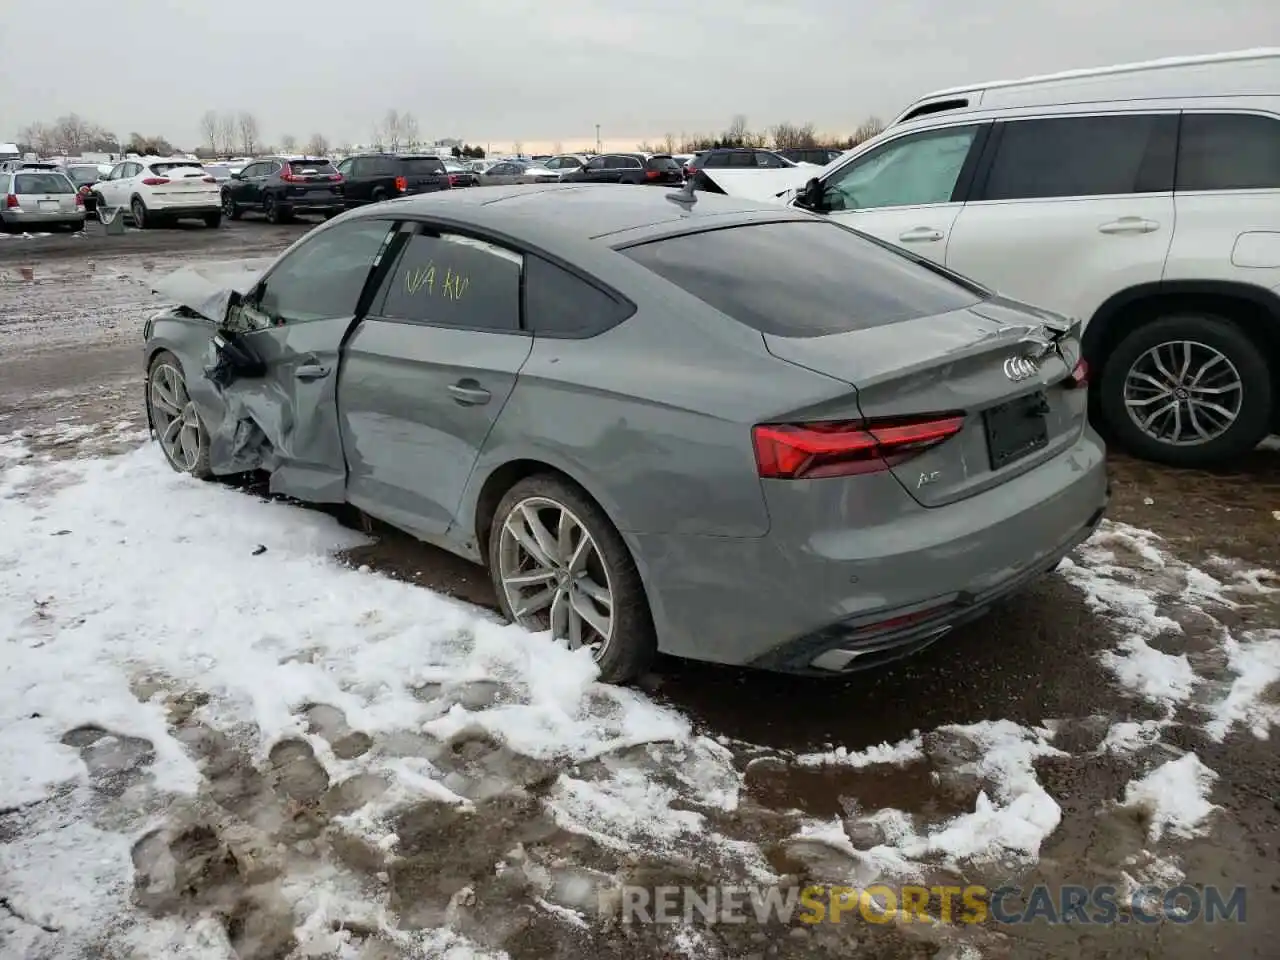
x=1173, y=798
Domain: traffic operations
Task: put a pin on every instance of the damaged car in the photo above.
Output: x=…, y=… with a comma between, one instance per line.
x=650, y=442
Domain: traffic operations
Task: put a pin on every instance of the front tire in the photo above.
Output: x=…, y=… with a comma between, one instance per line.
x=174, y=418
x=557, y=563
x=1190, y=390
x=272, y=210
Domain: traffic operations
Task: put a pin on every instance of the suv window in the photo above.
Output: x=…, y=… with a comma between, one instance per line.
x=452, y=280
x=596, y=163
x=822, y=278
x=662, y=162
x=312, y=168
x=421, y=166
x=1082, y=157
x=768, y=160
x=558, y=303
x=916, y=169
x=324, y=277
x=1228, y=151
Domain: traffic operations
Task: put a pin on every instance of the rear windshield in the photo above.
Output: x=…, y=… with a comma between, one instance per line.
x=663, y=163
x=311, y=167
x=801, y=278
x=28, y=183
x=177, y=168
x=83, y=174
x=417, y=166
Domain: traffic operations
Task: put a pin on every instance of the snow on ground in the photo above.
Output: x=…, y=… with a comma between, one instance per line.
x=211, y=715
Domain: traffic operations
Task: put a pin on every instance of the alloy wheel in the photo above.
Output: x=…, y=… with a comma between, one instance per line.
x=228, y=205
x=1183, y=393
x=554, y=576
x=139, y=214
x=174, y=417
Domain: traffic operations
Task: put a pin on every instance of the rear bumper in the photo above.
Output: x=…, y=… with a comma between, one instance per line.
x=875, y=591
x=313, y=205
x=185, y=208
x=31, y=218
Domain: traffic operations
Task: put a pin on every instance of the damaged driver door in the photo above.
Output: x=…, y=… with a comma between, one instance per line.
x=294, y=322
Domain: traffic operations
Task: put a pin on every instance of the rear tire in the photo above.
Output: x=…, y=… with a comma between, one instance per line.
x=213, y=220
x=139, y=211
x=271, y=209
x=1221, y=355
x=630, y=647
x=230, y=209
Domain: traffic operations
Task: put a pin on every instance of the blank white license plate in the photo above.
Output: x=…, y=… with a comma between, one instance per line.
x=48, y=206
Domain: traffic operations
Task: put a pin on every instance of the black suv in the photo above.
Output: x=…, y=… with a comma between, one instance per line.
x=629, y=168
x=279, y=187
x=738, y=158
x=374, y=177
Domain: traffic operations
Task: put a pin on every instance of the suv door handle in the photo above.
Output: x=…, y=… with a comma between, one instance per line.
x=1129, y=225
x=311, y=371
x=921, y=235
x=469, y=393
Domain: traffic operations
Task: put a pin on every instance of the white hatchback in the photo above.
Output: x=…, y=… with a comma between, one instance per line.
x=154, y=189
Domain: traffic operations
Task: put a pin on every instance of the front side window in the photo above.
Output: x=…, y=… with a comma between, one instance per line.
x=452, y=280
x=596, y=163
x=917, y=169
x=323, y=278
x=822, y=278
x=1082, y=157
x=1229, y=151
x=770, y=161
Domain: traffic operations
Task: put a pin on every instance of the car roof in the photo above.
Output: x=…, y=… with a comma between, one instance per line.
x=564, y=215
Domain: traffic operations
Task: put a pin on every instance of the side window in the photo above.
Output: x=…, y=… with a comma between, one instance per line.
x=451, y=280
x=115, y=172
x=613, y=163
x=345, y=167
x=632, y=163
x=713, y=160
x=323, y=278
x=252, y=170
x=596, y=163
x=1082, y=157
x=271, y=167
x=1228, y=151
x=916, y=169
x=559, y=304
x=770, y=161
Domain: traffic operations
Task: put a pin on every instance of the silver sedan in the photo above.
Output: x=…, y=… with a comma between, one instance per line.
x=510, y=172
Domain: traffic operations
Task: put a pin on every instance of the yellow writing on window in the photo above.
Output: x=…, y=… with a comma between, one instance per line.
x=451, y=285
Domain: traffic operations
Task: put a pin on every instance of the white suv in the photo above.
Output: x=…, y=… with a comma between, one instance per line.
x=154, y=189
x=1143, y=199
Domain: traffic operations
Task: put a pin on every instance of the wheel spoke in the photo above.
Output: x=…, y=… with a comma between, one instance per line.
x=575, y=627
x=518, y=529
x=537, y=603
x=600, y=624
x=560, y=615
x=532, y=578
x=1198, y=404
x=596, y=592
x=546, y=542
x=171, y=433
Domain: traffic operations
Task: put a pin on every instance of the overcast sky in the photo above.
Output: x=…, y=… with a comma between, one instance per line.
x=540, y=71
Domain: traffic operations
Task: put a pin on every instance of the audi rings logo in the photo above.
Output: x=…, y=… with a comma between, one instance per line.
x=1018, y=369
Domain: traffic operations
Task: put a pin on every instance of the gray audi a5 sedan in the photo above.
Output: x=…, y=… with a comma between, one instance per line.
x=663, y=421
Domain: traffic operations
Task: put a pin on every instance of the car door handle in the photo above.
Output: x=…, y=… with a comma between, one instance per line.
x=311, y=371
x=1130, y=225
x=469, y=393
x=921, y=235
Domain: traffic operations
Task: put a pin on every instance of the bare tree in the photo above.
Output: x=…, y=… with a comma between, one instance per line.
x=737, y=132
x=669, y=143
x=787, y=135
x=40, y=137
x=227, y=133
x=247, y=125
x=518, y=148
x=288, y=143
x=866, y=130
x=557, y=147
x=317, y=146
x=391, y=132
x=409, y=130
x=209, y=127
x=346, y=149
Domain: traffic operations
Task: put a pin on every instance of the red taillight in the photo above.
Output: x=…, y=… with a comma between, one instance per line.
x=840, y=449
x=453, y=180
x=155, y=181
x=209, y=179
x=652, y=174
x=402, y=184
x=1079, y=376
x=10, y=202
x=335, y=178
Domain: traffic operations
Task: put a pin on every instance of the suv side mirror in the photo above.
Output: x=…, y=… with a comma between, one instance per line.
x=237, y=176
x=813, y=196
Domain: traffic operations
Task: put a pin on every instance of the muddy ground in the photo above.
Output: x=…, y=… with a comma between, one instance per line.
x=70, y=315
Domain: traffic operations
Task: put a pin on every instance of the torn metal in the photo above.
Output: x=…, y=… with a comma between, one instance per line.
x=209, y=288
x=764, y=185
